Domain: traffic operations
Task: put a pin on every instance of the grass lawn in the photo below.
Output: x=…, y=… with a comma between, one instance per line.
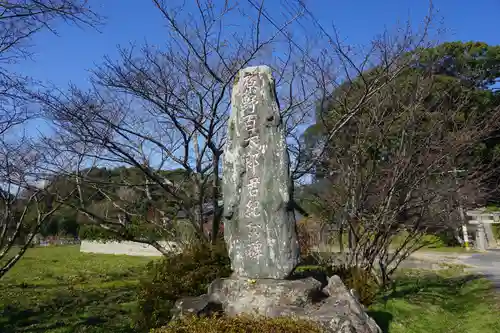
x=61, y=290
x=437, y=302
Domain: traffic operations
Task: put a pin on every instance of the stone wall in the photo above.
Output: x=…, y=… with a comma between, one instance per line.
x=126, y=248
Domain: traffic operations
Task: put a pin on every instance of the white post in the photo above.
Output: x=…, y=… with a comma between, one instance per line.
x=461, y=210
x=466, y=236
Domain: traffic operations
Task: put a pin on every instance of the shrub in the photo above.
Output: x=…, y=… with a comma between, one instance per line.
x=240, y=324
x=185, y=274
x=434, y=241
x=496, y=230
x=303, y=238
x=448, y=239
x=363, y=281
x=318, y=272
x=308, y=234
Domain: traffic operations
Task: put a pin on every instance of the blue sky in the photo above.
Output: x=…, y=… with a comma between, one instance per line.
x=69, y=56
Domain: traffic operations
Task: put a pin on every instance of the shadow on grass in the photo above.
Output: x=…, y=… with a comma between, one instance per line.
x=450, y=293
x=454, y=294
x=382, y=318
x=97, y=310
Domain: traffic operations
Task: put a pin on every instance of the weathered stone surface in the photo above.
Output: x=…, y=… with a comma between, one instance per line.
x=263, y=296
x=195, y=306
x=336, y=309
x=259, y=224
x=341, y=311
x=354, y=294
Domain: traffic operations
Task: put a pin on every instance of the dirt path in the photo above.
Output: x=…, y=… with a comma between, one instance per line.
x=484, y=263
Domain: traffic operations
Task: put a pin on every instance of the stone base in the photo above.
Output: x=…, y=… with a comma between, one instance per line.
x=332, y=306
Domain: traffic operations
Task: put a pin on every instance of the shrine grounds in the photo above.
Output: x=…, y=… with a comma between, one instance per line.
x=59, y=289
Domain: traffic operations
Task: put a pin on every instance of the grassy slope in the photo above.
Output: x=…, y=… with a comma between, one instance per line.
x=62, y=290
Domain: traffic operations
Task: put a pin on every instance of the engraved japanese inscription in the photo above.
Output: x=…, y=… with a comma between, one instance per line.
x=259, y=227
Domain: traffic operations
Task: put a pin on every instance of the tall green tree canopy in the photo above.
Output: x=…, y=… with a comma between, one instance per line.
x=454, y=70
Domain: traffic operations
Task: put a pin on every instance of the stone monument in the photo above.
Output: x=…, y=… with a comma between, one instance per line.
x=259, y=226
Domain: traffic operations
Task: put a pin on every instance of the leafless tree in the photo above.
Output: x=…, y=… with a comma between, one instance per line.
x=158, y=109
x=20, y=21
x=26, y=196
x=389, y=170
